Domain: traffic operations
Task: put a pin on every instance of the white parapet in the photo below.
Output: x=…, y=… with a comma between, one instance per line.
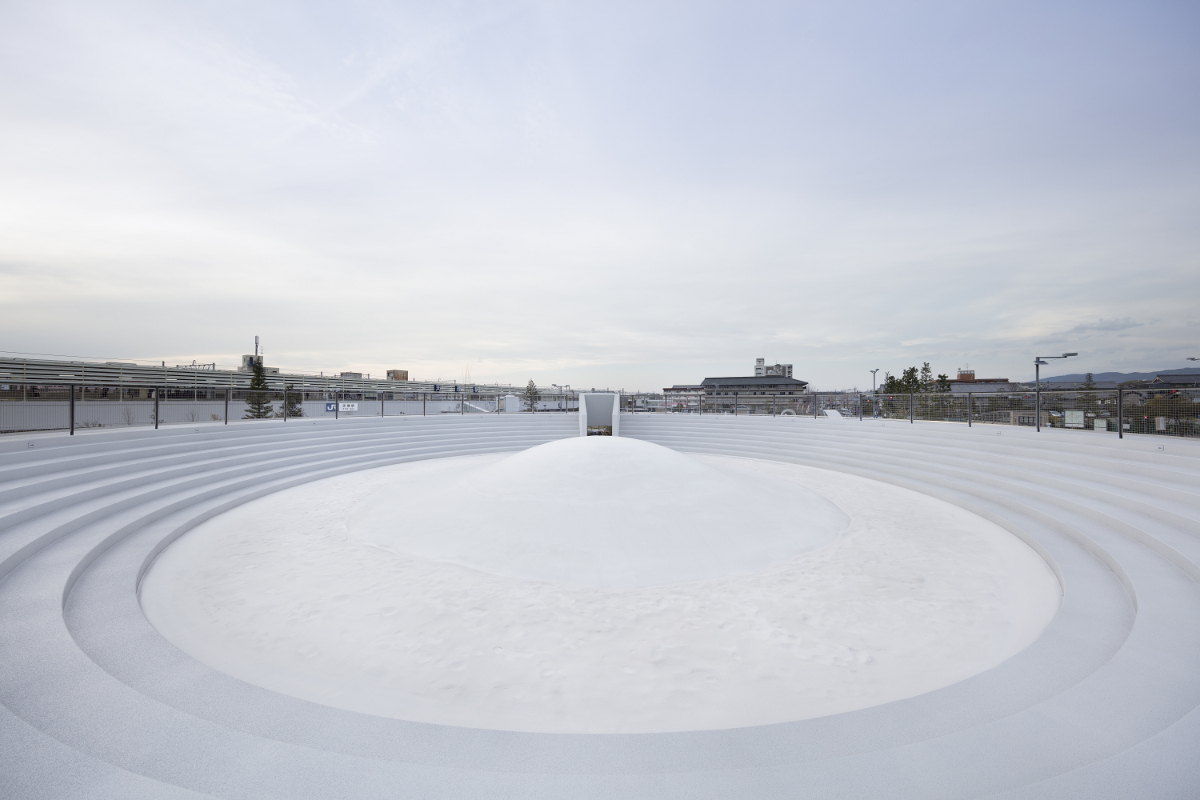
x=599, y=409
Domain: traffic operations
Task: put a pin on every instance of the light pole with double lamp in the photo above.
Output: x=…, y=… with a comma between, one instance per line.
x=1038, y=363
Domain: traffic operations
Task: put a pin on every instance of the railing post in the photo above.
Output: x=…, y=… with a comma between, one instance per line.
x=424, y=397
x=968, y=409
x=228, y=392
x=381, y=408
x=860, y=406
x=337, y=403
x=285, y=402
x=157, y=392
x=1037, y=407
x=816, y=404
x=910, y=408
x=1120, y=413
x=72, y=409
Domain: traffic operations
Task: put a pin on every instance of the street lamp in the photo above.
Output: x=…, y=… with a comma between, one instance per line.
x=873, y=379
x=1038, y=363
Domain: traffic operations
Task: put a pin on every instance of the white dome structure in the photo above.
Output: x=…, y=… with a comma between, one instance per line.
x=1099, y=699
x=600, y=511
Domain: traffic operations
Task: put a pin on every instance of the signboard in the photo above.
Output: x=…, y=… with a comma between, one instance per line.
x=1074, y=419
x=348, y=407
x=330, y=408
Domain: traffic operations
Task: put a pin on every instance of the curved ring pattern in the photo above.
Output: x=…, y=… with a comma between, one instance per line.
x=94, y=703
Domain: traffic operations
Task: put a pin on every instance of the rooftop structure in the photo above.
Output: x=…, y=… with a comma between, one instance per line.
x=967, y=382
x=247, y=366
x=764, y=370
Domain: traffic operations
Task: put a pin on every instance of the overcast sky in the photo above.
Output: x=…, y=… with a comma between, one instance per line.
x=623, y=195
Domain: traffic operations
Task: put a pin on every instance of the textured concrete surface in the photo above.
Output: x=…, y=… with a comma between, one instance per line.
x=93, y=703
x=600, y=585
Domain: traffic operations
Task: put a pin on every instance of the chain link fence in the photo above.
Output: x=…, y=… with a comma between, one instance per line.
x=1163, y=412
x=42, y=407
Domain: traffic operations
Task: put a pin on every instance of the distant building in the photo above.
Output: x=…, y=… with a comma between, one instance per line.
x=355, y=375
x=967, y=382
x=762, y=370
x=1174, y=382
x=1027, y=417
x=683, y=396
x=753, y=386
x=1157, y=383
x=753, y=393
x=248, y=366
x=1098, y=385
x=397, y=374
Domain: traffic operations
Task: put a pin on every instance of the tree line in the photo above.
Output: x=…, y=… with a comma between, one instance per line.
x=915, y=381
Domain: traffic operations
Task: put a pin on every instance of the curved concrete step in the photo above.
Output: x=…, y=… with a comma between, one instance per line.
x=1105, y=698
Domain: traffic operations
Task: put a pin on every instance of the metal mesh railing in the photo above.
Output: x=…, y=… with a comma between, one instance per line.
x=1164, y=412
x=41, y=407
x=1169, y=413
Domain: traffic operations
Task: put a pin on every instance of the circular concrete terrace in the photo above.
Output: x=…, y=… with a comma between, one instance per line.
x=96, y=703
